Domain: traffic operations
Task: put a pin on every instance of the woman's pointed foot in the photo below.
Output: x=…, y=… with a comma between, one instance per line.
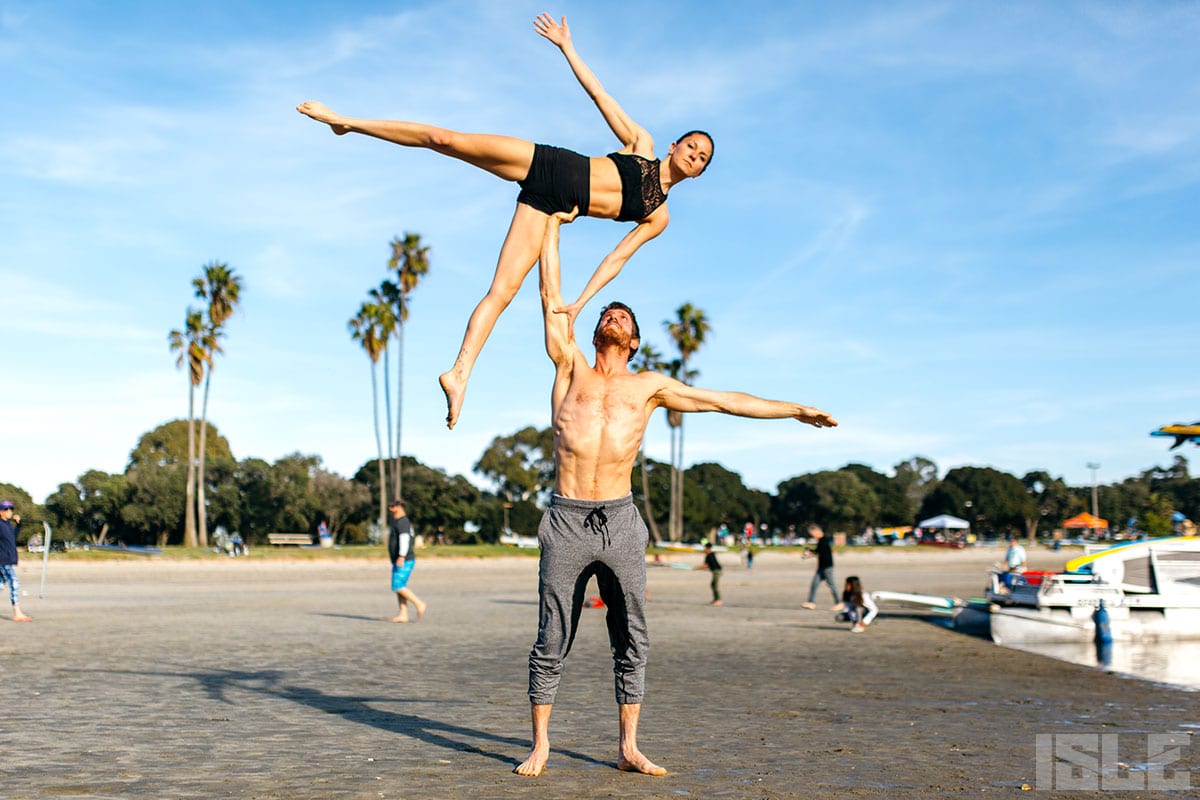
x=321, y=113
x=454, y=390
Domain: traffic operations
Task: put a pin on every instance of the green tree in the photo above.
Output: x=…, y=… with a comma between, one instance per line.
x=835, y=500
x=157, y=480
x=916, y=477
x=717, y=495
x=520, y=465
x=437, y=500
x=895, y=507
x=943, y=498
x=192, y=348
x=103, y=499
x=1000, y=504
x=64, y=512
x=368, y=327
x=339, y=501
x=688, y=331
x=221, y=289
x=1052, y=501
x=410, y=261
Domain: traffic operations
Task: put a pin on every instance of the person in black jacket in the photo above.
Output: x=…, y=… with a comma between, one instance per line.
x=824, y=573
x=712, y=565
x=8, y=557
x=402, y=552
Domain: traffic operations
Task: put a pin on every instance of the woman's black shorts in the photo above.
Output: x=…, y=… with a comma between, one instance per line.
x=558, y=180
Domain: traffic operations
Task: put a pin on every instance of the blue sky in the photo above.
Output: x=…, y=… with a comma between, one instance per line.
x=969, y=231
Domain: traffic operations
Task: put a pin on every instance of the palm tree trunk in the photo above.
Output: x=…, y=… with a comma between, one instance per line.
x=397, y=478
x=646, y=500
x=189, y=513
x=679, y=481
x=201, y=507
x=383, y=487
x=387, y=403
x=673, y=510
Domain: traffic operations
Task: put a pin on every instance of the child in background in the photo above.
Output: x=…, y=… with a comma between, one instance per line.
x=858, y=607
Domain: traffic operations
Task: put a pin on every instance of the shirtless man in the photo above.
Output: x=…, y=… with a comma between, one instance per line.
x=599, y=414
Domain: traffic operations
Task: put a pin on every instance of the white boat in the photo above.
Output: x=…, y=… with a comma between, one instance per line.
x=1150, y=589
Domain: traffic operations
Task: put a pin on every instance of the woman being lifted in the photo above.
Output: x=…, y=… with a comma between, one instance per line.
x=630, y=185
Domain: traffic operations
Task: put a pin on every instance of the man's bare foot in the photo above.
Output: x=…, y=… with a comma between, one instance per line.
x=321, y=113
x=715, y=603
x=639, y=763
x=533, y=766
x=809, y=606
x=454, y=390
x=22, y=618
x=420, y=609
x=399, y=618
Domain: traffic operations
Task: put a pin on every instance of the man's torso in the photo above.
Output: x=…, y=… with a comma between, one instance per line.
x=598, y=429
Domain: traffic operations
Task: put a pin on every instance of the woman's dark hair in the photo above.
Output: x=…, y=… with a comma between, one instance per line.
x=853, y=592
x=711, y=144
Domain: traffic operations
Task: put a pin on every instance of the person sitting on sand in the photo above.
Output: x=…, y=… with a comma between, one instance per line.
x=857, y=606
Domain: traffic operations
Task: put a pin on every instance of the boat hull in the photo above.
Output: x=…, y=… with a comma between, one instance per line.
x=1010, y=625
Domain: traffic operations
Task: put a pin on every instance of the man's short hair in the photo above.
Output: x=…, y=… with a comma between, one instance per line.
x=637, y=333
x=396, y=503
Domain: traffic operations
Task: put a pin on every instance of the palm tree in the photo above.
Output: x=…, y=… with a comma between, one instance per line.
x=365, y=329
x=189, y=343
x=382, y=307
x=411, y=262
x=688, y=331
x=648, y=359
x=221, y=288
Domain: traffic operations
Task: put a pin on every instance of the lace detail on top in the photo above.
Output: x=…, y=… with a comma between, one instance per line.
x=641, y=190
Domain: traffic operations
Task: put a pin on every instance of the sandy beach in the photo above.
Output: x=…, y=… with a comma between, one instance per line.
x=150, y=678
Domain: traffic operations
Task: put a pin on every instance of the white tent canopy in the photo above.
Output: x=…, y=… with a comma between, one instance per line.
x=945, y=521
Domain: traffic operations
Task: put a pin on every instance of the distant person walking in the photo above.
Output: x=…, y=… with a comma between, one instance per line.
x=713, y=566
x=402, y=553
x=824, y=573
x=8, y=557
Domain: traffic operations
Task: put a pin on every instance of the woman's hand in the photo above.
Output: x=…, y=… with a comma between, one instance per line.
x=560, y=34
x=572, y=311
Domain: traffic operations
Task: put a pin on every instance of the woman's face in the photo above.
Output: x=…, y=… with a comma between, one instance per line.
x=690, y=154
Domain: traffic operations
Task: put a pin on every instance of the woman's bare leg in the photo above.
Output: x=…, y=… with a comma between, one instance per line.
x=505, y=157
x=518, y=255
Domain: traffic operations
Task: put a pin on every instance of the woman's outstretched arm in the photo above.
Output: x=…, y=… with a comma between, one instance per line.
x=646, y=230
x=632, y=135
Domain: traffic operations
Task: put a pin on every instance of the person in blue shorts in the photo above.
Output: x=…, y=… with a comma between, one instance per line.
x=402, y=552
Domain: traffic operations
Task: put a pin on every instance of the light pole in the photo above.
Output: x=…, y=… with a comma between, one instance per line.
x=1093, y=466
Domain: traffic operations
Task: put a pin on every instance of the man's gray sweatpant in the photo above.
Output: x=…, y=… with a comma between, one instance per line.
x=579, y=539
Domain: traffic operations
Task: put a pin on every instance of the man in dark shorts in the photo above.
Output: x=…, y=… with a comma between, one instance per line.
x=599, y=414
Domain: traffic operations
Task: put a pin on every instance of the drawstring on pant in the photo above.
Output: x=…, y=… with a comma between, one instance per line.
x=597, y=522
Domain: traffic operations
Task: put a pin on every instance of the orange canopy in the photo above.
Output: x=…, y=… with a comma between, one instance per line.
x=1085, y=520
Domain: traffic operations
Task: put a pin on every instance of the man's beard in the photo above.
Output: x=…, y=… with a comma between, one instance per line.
x=612, y=336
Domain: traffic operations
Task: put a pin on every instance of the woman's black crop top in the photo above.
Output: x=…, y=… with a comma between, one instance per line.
x=641, y=191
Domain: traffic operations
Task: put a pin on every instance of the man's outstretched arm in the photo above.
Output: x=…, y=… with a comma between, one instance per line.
x=678, y=396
